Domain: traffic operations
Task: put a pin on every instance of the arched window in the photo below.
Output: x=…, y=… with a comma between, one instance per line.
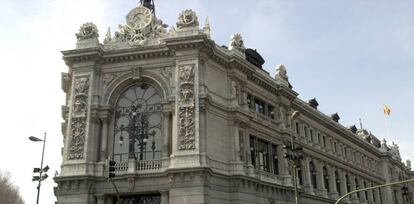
x=338, y=183
x=325, y=177
x=312, y=174
x=366, y=192
x=138, y=124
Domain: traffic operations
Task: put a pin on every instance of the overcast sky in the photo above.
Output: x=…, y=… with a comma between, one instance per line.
x=352, y=55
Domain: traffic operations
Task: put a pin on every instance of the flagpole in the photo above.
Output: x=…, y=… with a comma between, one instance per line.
x=386, y=127
x=386, y=113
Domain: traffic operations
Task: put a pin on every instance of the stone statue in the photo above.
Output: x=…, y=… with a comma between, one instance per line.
x=87, y=31
x=408, y=163
x=187, y=18
x=236, y=42
x=281, y=72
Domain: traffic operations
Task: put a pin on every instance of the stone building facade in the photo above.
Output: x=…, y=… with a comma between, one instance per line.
x=189, y=121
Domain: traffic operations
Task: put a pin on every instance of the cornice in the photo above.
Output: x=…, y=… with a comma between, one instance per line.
x=328, y=123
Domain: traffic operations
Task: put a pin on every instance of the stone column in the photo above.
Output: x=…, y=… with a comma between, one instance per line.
x=362, y=196
x=333, y=192
x=343, y=186
x=377, y=196
x=306, y=177
x=165, y=197
x=166, y=130
x=370, y=193
x=104, y=139
x=284, y=167
x=387, y=191
x=320, y=180
x=100, y=199
x=354, y=196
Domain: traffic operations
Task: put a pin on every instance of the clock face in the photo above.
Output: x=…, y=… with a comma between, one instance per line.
x=139, y=17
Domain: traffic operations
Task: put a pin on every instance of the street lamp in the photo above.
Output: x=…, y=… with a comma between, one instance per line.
x=295, y=155
x=137, y=129
x=42, y=169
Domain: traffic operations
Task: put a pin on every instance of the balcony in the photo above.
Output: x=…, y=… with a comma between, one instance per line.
x=144, y=166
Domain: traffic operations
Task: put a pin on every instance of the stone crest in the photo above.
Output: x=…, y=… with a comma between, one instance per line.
x=87, y=31
x=187, y=18
x=236, y=42
x=79, y=118
x=186, y=109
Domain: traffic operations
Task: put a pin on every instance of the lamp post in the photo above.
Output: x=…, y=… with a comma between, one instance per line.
x=42, y=169
x=137, y=129
x=294, y=157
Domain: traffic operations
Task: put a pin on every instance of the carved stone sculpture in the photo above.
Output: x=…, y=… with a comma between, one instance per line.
x=187, y=18
x=79, y=118
x=281, y=72
x=186, y=109
x=142, y=26
x=87, y=31
x=236, y=42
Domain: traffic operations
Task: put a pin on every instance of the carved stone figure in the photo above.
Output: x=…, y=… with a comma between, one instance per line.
x=236, y=42
x=87, y=31
x=187, y=18
x=281, y=72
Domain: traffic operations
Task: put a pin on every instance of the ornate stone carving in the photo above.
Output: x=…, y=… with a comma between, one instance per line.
x=235, y=93
x=142, y=25
x=281, y=72
x=109, y=78
x=77, y=138
x=241, y=145
x=87, y=31
x=236, y=42
x=187, y=18
x=187, y=84
x=79, y=118
x=80, y=96
x=136, y=72
x=186, y=110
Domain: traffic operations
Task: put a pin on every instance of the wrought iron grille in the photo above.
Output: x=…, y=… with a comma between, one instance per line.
x=139, y=199
x=138, y=124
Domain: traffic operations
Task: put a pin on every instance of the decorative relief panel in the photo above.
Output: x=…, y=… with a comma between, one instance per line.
x=186, y=109
x=241, y=146
x=79, y=118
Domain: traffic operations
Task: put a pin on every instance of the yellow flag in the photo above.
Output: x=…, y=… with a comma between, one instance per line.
x=387, y=110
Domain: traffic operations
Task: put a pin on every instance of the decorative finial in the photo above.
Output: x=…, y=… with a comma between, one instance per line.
x=108, y=36
x=360, y=123
x=207, y=28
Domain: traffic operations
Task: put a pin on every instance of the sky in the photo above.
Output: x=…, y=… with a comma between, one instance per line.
x=353, y=56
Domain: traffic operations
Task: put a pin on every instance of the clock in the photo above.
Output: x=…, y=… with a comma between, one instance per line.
x=139, y=18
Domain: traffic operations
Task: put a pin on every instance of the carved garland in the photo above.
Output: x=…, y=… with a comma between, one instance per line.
x=79, y=116
x=186, y=109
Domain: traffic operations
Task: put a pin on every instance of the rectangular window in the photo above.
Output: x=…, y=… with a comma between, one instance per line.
x=271, y=111
x=263, y=155
x=259, y=106
x=250, y=101
x=334, y=147
x=297, y=128
x=252, y=150
x=275, y=160
x=324, y=141
x=311, y=135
